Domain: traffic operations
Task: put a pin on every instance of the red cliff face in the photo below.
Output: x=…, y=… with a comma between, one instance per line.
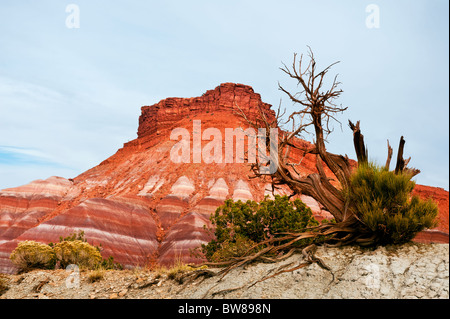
x=141, y=206
x=441, y=197
x=227, y=97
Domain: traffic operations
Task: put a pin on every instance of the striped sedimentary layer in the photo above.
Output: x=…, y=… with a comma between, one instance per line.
x=124, y=229
x=22, y=208
x=189, y=232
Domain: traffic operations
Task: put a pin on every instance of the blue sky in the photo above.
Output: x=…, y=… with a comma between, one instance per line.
x=69, y=98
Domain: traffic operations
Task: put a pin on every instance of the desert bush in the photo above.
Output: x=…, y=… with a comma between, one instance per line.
x=109, y=263
x=231, y=248
x=79, y=235
x=238, y=226
x=77, y=252
x=385, y=205
x=33, y=255
x=73, y=249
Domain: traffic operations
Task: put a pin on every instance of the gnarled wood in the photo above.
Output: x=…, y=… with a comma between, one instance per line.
x=317, y=109
x=402, y=163
x=389, y=157
x=358, y=142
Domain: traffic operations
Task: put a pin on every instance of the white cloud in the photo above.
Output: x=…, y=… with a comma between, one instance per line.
x=42, y=126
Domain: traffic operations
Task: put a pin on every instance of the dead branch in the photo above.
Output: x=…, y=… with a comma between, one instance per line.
x=358, y=141
x=389, y=157
x=401, y=166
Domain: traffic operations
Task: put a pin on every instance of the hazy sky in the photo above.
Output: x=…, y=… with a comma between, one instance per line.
x=70, y=97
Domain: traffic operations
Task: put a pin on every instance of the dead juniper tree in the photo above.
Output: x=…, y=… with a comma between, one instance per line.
x=317, y=108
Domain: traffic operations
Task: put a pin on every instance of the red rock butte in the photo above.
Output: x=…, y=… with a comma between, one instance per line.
x=143, y=208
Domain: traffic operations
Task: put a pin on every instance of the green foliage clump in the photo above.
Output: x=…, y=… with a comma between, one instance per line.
x=239, y=226
x=74, y=236
x=232, y=248
x=383, y=202
x=33, y=255
x=109, y=263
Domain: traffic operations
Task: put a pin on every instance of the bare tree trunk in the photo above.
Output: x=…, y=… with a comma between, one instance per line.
x=317, y=109
x=400, y=167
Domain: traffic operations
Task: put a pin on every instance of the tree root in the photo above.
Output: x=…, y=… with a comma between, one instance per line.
x=189, y=277
x=41, y=284
x=307, y=252
x=280, y=248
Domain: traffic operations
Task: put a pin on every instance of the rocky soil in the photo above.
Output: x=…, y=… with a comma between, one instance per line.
x=408, y=271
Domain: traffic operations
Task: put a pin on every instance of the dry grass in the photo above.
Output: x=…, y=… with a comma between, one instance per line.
x=96, y=275
x=176, y=271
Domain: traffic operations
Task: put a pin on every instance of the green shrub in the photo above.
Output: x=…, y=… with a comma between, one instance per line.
x=238, y=226
x=384, y=204
x=110, y=264
x=33, y=255
x=77, y=235
x=229, y=249
x=77, y=252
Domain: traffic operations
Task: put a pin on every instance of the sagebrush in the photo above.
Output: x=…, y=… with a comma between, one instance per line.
x=73, y=249
x=33, y=255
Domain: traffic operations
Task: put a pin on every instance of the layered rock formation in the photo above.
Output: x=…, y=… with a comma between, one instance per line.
x=141, y=206
x=227, y=97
